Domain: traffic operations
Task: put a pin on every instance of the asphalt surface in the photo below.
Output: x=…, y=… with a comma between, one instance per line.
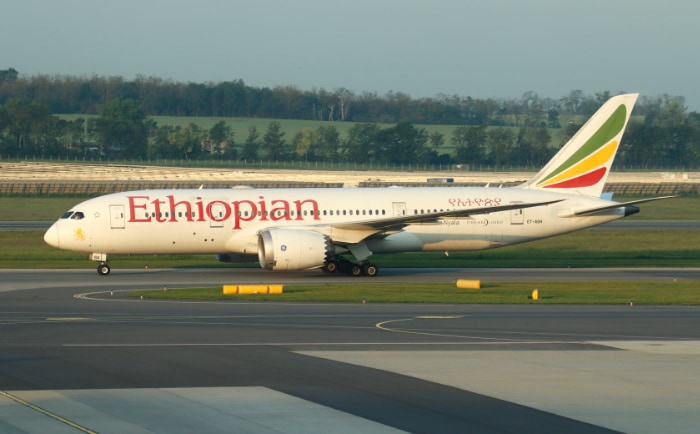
x=87, y=279
x=73, y=346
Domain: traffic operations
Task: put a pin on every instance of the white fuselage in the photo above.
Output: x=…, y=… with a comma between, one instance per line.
x=229, y=220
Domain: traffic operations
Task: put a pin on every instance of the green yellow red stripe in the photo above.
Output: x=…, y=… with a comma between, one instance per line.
x=596, y=152
x=598, y=159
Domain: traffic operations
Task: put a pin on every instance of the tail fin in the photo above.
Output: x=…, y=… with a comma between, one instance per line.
x=582, y=165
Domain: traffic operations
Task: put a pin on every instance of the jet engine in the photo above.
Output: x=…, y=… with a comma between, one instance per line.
x=293, y=249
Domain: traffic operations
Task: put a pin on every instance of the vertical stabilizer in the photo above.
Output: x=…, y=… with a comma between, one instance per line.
x=582, y=165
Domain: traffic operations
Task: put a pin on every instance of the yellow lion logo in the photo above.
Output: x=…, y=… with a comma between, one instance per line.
x=79, y=235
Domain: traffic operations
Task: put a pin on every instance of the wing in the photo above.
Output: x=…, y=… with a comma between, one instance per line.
x=357, y=231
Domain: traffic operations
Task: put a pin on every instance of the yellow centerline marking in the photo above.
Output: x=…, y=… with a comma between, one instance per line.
x=69, y=319
x=45, y=412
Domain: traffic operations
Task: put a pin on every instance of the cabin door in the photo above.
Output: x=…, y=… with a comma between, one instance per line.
x=217, y=216
x=517, y=216
x=116, y=216
x=399, y=209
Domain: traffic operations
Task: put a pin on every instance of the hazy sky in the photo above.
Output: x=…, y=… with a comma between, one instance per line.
x=477, y=48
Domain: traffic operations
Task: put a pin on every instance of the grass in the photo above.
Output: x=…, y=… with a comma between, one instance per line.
x=16, y=208
x=589, y=248
x=240, y=126
x=645, y=293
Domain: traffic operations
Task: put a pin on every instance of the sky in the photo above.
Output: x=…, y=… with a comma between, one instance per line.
x=475, y=48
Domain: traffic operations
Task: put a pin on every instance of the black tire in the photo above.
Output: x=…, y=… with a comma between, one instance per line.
x=103, y=269
x=355, y=270
x=330, y=267
x=370, y=270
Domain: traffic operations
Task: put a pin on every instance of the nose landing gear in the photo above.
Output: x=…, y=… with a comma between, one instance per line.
x=103, y=269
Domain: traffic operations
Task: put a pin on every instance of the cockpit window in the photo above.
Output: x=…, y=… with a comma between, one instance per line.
x=73, y=215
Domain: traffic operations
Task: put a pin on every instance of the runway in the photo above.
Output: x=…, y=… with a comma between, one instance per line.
x=179, y=278
x=73, y=357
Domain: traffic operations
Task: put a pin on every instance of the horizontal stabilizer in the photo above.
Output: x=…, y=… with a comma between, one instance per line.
x=629, y=209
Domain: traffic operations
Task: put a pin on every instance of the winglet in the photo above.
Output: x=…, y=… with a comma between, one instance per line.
x=583, y=164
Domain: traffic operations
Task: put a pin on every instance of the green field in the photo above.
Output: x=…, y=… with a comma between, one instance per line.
x=589, y=248
x=240, y=126
x=649, y=293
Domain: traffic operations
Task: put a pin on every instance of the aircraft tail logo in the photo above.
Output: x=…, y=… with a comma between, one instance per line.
x=583, y=164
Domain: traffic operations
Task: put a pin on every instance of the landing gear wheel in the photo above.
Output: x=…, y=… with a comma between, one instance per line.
x=354, y=270
x=369, y=269
x=103, y=269
x=330, y=267
x=344, y=266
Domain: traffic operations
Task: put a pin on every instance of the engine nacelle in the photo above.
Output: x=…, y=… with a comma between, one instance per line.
x=293, y=249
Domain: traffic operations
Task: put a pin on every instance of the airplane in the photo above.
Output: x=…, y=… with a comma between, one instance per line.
x=310, y=228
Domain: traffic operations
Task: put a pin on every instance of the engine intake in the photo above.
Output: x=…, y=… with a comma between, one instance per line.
x=293, y=249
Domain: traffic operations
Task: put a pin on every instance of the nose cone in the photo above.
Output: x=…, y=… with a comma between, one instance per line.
x=51, y=236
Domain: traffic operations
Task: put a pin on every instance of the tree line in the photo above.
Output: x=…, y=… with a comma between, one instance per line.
x=497, y=133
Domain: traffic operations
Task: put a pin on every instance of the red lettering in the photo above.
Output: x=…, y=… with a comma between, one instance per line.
x=159, y=213
x=200, y=210
x=166, y=209
x=262, y=208
x=173, y=205
x=238, y=215
x=133, y=207
x=314, y=210
x=282, y=210
x=212, y=212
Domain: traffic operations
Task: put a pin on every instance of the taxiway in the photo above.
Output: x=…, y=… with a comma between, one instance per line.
x=72, y=358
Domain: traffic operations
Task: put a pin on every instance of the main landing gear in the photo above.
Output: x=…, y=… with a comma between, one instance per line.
x=342, y=265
